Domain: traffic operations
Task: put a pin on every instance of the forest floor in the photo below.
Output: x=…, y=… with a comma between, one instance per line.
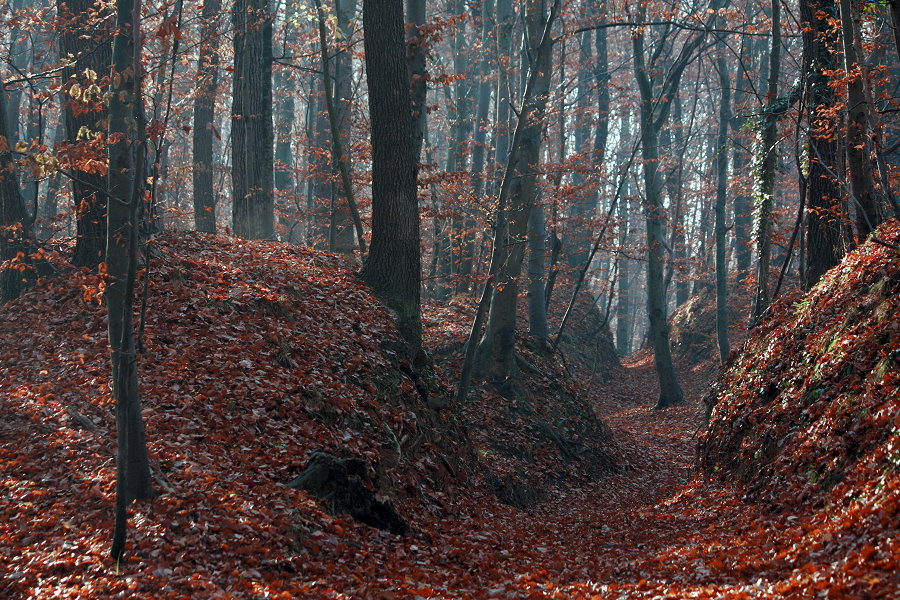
x=227, y=434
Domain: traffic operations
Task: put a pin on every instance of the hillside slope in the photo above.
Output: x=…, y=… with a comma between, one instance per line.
x=808, y=414
x=256, y=356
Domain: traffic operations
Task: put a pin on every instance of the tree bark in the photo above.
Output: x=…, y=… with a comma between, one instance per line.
x=204, y=113
x=495, y=357
x=721, y=199
x=344, y=214
x=765, y=186
x=341, y=216
x=537, y=307
x=654, y=112
x=824, y=238
x=14, y=236
x=127, y=156
x=418, y=85
x=252, y=133
x=93, y=57
x=393, y=265
x=859, y=152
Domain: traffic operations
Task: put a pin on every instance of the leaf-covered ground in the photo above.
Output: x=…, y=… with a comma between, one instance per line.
x=232, y=415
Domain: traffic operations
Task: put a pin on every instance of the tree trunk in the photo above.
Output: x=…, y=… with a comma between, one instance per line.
x=204, y=112
x=824, y=240
x=418, y=85
x=392, y=267
x=94, y=57
x=654, y=111
x=14, y=236
x=721, y=199
x=767, y=159
x=537, y=307
x=127, y=156
x=859, y=152
x=495, y=357
x=252, y=135
x=345, y=217
x=505, y=19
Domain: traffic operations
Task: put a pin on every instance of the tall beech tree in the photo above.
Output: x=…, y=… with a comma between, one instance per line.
x=252, y=129
x=657, y=92
x=827, y=205
x=859, y=151
x=766, y=159
x=495, y=358
x=204, y=111
x=85, y=40
x=14, y=229
x=393, y=266
x=127, y=157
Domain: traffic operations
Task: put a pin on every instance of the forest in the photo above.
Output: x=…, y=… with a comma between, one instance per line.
x=460, y=299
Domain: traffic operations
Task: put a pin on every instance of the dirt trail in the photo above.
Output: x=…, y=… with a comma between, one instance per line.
x=615, y=537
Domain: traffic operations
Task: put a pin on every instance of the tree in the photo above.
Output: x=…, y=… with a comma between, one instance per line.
x=253, y=153
x=392, y=267
x=766, y=157
x=204, y=111
x=859, y=153
x=656, y=103
x=827, y=208
x=127, y=157
x=83, y=115
x=14, y=229
x=721, y=198
x=495, y=357
x=338, y=239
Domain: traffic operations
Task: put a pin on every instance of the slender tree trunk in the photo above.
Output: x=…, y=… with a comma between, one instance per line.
x=204, y=112
x=505, y=19
x=341, y=217
x=252, y=135
x=392, y=267
x=94, y=57
x=721, y=199
x=767, y=156
x=345, y=217
x=577, y=236
x=743, y=203
x=418, y=85
x=127, y=157
x=859, y=152
x=655, y=108
x=495, y=356
x=14, y=234
x=537, y=247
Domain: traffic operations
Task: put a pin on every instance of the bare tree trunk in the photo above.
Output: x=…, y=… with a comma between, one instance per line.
x=14, y=229
x=537, y=307
x=339, y=226
x=495, y=357
x=392, y=267
x=824, y=240
x=344, y=215
x=252, y=136
x=204, y=111
x=859, y=151
x=505, y=19
x=767, y=157
x=94, y=58
x=418, y=86
x=127, y=157
x=721, y=199
x=655, y=109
